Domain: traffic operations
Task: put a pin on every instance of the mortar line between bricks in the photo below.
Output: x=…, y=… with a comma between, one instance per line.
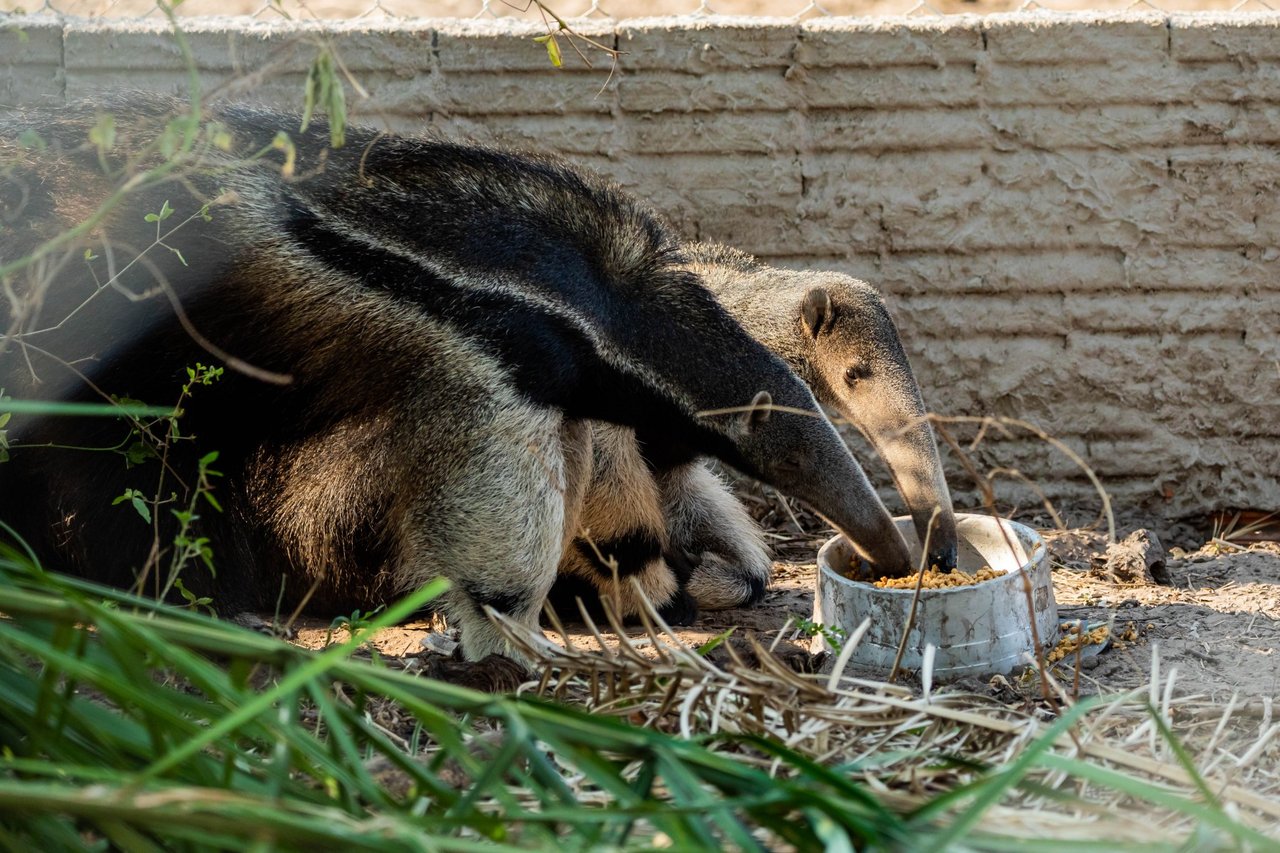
x=62, y=61
x=804, y=140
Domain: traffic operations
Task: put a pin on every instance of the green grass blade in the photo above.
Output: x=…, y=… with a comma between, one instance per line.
x=294, y=680
x=988, y=791
x=97, y=410
x=1158, y=795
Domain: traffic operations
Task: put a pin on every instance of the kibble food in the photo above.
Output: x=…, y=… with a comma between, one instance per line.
x=936, y=579
x=1073, y=640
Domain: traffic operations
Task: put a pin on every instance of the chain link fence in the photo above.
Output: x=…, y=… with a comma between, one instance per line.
x=601, y=10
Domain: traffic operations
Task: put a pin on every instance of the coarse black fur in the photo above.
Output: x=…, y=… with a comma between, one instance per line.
x=447, y=315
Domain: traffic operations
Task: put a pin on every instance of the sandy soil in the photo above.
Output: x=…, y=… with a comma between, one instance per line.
x=1216, y=619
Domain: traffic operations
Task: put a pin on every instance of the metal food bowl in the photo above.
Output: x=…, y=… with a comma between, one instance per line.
x=976, y=630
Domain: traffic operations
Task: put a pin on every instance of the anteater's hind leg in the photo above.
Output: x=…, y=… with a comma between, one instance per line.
x=499, y=531
x=621, y=538
x=707, y=526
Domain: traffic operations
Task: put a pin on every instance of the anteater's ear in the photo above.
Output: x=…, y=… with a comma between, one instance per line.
x=761, y=407
x=816, y=309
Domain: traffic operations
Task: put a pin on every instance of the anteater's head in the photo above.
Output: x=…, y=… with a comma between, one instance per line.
x=835, y=332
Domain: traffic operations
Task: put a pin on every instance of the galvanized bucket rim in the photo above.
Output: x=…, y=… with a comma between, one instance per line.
x=1021, y=532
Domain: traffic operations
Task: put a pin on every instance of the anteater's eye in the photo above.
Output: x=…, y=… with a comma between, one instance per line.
x=853, y=375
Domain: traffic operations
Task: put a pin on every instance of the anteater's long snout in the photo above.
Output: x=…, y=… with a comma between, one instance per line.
x=820, y=470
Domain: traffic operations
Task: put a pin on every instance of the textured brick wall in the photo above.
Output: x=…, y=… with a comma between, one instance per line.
x=1074, y=219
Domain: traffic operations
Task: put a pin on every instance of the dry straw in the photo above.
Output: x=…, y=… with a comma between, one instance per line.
x=1126, y=770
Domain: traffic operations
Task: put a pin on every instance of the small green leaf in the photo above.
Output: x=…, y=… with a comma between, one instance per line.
x=134, y=497
x=553, y=48
x=323, y=90
x=169, y=141
x=139, y=452
x=103, y=134
x=711, y=645
x=220, y=137
x=141, y=506
x=175, y=135
x=165, y=212
x=283, y=143
x=309, y=97
x=31, y=139
x=183, y=591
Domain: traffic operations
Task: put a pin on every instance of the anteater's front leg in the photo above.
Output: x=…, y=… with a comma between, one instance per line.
x=729, y=563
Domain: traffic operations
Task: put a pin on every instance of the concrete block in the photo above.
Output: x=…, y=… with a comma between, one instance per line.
x=1224, y=82
x=1226, y=195
x=551, y=91
x=977, y=201
x=756, y=228
x=391, y=94
x=1170, y=312
x=251, y=57
x=727, y=91
x=1041, y=126
x=1254, y=269
x=31, y=70
x=1135, y=81
x=900, y=129
x=726, y=134
x=34, y=40
x=32, y=85
x=507, y=46
x=1123, y=127
x=569, y=135
x=892, y=87
x=142, y=45
x=883, y=42
x=977, y=315
x=1004, y=271
x=755, y=177
x=1219, y=37
x=1103, y=37
x=96, y=83
x=401, y=48
x=405, y=48
x=708, y=44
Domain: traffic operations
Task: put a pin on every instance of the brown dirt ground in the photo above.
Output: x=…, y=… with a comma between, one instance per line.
x=1216, y=621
